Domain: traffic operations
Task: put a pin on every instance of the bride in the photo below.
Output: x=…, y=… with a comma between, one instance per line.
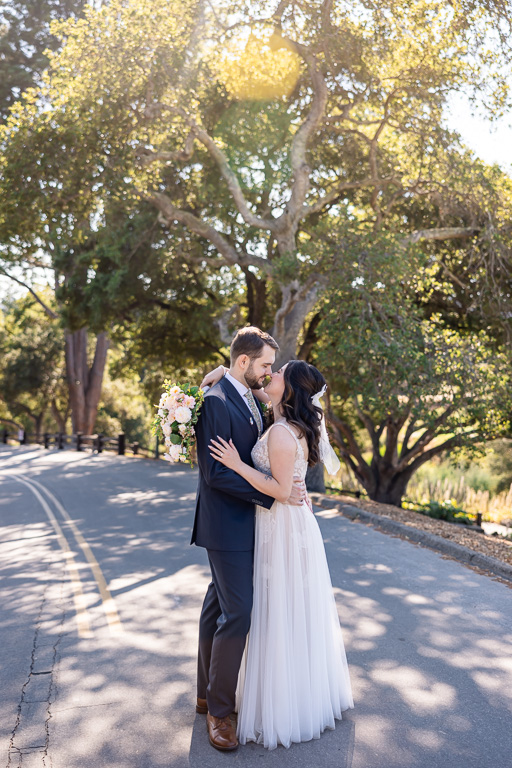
x=294, y=679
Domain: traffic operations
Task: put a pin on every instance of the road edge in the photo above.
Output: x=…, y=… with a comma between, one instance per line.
x=416, y=535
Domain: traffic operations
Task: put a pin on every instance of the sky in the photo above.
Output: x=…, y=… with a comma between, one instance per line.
x=492, y=142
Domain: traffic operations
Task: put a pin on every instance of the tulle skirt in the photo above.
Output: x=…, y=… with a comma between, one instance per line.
x=294, y=679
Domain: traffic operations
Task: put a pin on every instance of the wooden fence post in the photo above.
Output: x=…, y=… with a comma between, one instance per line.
x=79, y=441
x=60, y=441
x=135, y=449
x=5, y=435
x=46, y=440
x=120, y=444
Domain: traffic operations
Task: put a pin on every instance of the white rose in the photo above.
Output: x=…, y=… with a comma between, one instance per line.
x=175, y=451
x=169, y=402
x=166, y=428
x=183, y=429
x=183, y=414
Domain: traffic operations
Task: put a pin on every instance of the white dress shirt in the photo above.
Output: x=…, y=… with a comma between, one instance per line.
x=242, y=389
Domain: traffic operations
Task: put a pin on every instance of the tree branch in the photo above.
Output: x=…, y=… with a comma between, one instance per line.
x=292, y=293
x=148, y=156
x=46, y=308
x=300, y=169
x=170, y=213
x=368, y=424
x=441, y=233
x=333, y=195
x=410, y=430
x=232, y=181
x=353, y=448
x=11, y=421
x=425, y=438
x=451, y=442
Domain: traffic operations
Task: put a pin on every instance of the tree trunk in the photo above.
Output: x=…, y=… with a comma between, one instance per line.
x=38, y=420
x=389, y=486
x=256, y=298
x=84, y=383
x=315, y=478
x=59, y=418
x=391, y=492
x=289, y=322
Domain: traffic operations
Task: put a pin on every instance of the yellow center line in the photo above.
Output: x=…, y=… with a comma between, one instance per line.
x=82, y=619
x=109, y=606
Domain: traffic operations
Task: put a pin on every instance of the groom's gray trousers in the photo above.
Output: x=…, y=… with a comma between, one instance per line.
x=223, y=627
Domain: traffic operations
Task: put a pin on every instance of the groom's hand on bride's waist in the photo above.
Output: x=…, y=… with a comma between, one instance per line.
x=298, y=493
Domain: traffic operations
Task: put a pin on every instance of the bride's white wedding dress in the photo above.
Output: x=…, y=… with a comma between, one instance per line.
x=294, y=679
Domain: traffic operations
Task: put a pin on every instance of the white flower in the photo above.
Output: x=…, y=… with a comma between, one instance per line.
x=183, y=429
x=166, y=428
x=169, y=402
x=175, y=452
x=183, y=414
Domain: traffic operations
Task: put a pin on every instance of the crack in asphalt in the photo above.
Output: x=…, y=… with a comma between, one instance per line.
x=15, y=754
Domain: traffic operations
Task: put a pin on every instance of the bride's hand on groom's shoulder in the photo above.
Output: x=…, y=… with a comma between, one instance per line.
x=225, y=452
x=212, y=377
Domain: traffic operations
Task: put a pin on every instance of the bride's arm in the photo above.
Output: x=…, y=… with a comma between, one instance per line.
x=281, y=449
x=213, y=377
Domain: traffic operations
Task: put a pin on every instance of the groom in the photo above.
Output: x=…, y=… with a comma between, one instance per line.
x=224, y=525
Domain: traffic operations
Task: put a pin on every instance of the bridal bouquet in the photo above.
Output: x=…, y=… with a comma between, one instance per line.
x=178, y=410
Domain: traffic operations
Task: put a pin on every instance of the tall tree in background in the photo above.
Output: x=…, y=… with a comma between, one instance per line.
x=261, y=136
x=32, y=376
x=249, y=134
x=24, y=37
x=405, y=381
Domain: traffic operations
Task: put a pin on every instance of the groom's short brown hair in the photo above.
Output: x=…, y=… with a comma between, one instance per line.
x=250, y=341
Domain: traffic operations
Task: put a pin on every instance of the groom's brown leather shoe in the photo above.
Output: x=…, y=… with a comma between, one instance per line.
x=201, y=706
x=221, y=733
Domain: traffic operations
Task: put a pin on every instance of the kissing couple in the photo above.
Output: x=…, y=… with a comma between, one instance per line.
x=288, y=677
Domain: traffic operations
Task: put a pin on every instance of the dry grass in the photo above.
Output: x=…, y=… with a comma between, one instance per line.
x=492, y=546
x=495, y=507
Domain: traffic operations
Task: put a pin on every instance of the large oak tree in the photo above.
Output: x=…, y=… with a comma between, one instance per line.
x=259, y=134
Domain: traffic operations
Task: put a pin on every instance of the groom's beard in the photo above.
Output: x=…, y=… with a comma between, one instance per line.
x=250, y=377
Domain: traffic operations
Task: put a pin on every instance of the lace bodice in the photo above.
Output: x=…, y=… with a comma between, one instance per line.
x=261, y=459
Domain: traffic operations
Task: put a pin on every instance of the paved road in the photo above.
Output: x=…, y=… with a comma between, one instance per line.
x=100, y=595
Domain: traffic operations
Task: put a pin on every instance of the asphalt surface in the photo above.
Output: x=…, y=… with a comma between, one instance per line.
x=100, y=595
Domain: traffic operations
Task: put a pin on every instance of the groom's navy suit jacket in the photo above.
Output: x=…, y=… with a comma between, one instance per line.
x=225, y=502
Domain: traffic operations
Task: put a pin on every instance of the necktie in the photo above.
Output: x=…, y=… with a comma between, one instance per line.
x=254, y=409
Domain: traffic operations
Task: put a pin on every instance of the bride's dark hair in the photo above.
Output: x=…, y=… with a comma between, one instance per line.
x=301, y=382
